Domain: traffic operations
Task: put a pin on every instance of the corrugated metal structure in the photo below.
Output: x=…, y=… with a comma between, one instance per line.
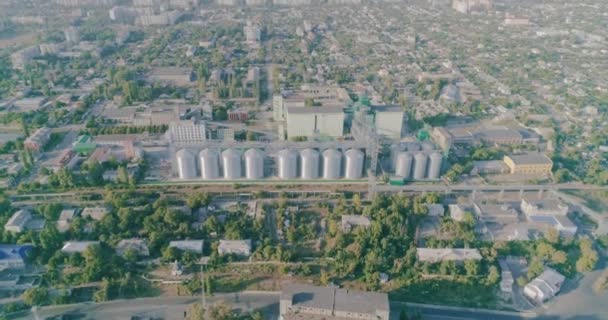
x=332, y=164
x=395, y=150
x=428, y=146
x=413, y=146
x=231, y=162
x=309, y=158
x=355, y=160
x=254, y=164
x=404, y=164
x=435, y=160
x=210, y=164
x=420, y=160
x=287, y=164
x=186, y=164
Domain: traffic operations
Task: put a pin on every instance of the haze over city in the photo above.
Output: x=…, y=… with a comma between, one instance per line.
x=303, y=159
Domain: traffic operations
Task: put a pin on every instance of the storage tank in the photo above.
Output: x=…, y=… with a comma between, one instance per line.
x=354, y=164
x=435, y=160
x=309, y=158
x=210, y=164
x=413, y=146
x=231, y=161
x=419, y=166
x=288, y=164
x=254, y=164
x=332, y=164
x=404, y=164
x=395, y=150
x=186, y=164
x=428, y=146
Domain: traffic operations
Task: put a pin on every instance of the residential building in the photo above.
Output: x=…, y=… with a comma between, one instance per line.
x=65, y=219
x=529, y=163
x=352, y=221
x=195, y=246
x=22, y=57
x=138, y=246
x=96, y=213
x=12, y=257
x=545, y=286
x=172, y=75
x=72, y=35
x=435, y=209
x=38, y=140
x=506, y=277
x=489, y=167
x=29, y=104
x=77, y=246
x=458, y=211
x=308, y=302
x=18, y=221
x=447, y=254
x=237, y=247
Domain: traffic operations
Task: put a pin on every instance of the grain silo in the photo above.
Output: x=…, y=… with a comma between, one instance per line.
x=287, y=164
x=210, y=165
x=354, y=164
x=435, y=160
x=254, y=164
x=332, y=164
x=395, y=150
x=413, y=146
x=186, y=164
x=404, y=164
x=419, y=166
x=231, y=162
x=309, y=158
x=428, y=146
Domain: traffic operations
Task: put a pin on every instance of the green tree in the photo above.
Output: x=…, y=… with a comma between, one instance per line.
x=36, y=296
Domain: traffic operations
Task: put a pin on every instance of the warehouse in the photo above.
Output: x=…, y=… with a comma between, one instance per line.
x=313, y=121
x=529, y=163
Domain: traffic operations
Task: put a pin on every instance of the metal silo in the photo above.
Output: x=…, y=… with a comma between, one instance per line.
x=395, y=150
x=254, y=164
x=186, y=164
x=435, y=160
x=231, y=161
x=419, y=166
x=288, y=164
x=210, y=164
x=332, y=164
x=309, y=158
x=413, y=146
x=428, y=146
x=354, y=164
x=404, y=164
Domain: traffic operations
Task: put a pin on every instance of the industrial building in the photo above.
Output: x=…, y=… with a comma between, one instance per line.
x=315, y=121
x=388, y=121
x=172, y=75
x=529, y=163
x=329, y=303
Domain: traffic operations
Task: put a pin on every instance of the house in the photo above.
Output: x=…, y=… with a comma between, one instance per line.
x=310, y=302
x=65, y=219
x=77, y=246
x=12, y=257
x=188, y=245
x=138, y=246
x=435, y=209
x=38, y=140
x=351, y=221
x=96, y=213
x=506, y=277
x=18, y=221
x=237, y=247
x=458, y=211
x=447, y=254
x=545, y=286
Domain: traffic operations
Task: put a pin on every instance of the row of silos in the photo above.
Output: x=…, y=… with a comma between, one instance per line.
x=418, y=165
x=230, y=162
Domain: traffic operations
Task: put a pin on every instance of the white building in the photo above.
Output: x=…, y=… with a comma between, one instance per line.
x=186, y=132
x=138, y=246
x=65, y=219
x=237, y=247
x=18, y=221
x=545, y=286
x=447, y=254
x=77, y=246
x=389, y=121
x=96, y=213
x=22, y=57
x=458, y=211
x=195, y=246
x=313, y=121
x=72, y=35
x=352, y=221
x=546, y=207
x=172, y=75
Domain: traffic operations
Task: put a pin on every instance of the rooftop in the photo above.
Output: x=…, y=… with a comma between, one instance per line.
x=313, y=110
x=447, y=254
x=530, y=158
